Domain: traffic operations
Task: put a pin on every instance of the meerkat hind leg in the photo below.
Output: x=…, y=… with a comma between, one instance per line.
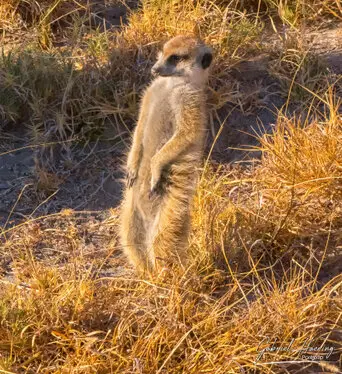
x=133, y=236
x=170, y=233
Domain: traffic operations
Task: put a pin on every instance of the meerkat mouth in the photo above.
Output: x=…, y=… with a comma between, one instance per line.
x=161, y=74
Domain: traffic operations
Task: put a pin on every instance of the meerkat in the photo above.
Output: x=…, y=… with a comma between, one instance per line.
x=166, y=150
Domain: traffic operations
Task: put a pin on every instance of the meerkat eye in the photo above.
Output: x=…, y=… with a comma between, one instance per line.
x=174, y=59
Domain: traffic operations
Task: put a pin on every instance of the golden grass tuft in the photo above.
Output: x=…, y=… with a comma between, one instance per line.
x=61, y=323
x=289, y=203
x=310, y=155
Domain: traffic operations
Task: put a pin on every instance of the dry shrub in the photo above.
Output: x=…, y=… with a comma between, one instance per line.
x=65, y=321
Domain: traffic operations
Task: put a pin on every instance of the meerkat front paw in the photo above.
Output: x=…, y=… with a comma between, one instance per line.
x=156, y=190
x=160, y=179
x=131, y=177
x=155, y=185
x=156, y=181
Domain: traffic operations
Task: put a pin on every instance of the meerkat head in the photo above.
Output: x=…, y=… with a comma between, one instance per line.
x=184, y=56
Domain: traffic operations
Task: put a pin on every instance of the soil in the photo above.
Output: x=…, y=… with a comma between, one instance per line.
x=88, y=178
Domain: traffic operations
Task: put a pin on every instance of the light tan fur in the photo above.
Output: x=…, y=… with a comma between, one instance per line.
x=166, y=151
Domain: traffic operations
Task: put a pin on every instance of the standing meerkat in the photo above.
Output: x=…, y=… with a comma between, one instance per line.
x=166, y=150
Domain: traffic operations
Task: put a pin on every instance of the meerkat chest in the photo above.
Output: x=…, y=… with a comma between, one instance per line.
x=160, y=120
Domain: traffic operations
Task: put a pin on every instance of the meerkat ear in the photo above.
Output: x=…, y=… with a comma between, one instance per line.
x=206, y=59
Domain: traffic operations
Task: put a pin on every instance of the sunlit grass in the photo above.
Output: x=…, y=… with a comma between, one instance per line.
x=261, y=236
x=265, y=233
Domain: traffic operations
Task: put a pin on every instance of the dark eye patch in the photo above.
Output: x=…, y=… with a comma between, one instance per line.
x=174, y=59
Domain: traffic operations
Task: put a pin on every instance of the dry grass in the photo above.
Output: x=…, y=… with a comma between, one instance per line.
x=293, y=192
x=293, y=12
x=266, y=237
x=262, y=239
x=71, y=323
